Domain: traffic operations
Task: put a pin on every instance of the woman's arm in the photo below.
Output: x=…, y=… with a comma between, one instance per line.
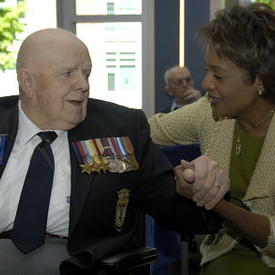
x=208, y=186
x=251, y=226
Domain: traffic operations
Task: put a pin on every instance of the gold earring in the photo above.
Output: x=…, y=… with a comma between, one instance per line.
x=212, y=85
x=260, y=92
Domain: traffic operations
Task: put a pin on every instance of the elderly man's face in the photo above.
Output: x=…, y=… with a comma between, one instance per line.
x=61, y=87
x=180, y=82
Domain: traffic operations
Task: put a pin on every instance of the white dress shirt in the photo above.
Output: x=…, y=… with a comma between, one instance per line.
x=13, y=177
x=175, y=105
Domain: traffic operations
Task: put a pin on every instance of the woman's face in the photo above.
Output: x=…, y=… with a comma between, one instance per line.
x=230, y=93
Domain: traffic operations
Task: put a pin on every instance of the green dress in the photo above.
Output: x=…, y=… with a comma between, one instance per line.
x=243, y=259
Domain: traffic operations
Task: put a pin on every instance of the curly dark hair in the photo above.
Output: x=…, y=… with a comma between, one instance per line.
x=246, y=37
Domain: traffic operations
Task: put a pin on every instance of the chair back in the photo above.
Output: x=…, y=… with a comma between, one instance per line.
x=167, y=242
x=176, y=153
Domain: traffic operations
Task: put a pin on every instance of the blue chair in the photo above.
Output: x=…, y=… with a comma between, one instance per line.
x=171, y=246
x=176, y=153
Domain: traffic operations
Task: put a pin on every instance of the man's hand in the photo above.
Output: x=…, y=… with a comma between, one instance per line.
x=192, y=95
x=184, y=175
x=208, y=182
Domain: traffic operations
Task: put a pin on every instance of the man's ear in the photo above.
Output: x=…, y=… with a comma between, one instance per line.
x=25, y=81
x=169, y=91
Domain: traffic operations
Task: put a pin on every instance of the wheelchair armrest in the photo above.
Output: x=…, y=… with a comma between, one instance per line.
x=129, y=259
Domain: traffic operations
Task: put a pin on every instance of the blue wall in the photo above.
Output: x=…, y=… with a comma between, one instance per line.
x=196, y=15
x=167, y=42
x=166, y=45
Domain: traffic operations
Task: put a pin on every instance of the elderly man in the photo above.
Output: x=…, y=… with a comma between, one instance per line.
x=179, y=85
x=75, y=171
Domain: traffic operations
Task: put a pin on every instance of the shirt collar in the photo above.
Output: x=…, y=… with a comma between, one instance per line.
x=27, y=129
x=175, y=105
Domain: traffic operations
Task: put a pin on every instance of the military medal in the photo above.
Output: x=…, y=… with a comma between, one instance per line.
x=130, y=149
x=115, y=154
x=88, y=158
x=85, y=168
x=100, y=163
x=125, y=155
x=121, y=208
x=116, y=166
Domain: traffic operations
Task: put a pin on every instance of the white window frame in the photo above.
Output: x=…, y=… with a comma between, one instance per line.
x=67, y=19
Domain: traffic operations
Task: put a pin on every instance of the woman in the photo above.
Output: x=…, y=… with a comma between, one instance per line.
x=235, y=126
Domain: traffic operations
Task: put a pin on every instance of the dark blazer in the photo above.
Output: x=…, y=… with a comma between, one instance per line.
x=166, y=110
x=92, y=233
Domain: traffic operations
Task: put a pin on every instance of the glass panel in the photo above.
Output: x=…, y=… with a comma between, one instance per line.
x=107, y=7
x=115, y=50
x=127, y=77
x=111, y=81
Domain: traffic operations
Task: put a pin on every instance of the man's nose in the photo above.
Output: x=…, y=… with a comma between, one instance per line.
x=82, y=82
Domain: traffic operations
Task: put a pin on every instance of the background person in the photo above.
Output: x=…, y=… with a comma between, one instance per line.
x=179, y=85
x=235, y=126
x=100, y=164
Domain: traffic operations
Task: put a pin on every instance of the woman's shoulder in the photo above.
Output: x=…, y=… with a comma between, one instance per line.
x=196, y=111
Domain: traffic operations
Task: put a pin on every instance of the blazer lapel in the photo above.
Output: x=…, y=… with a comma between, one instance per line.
x=220, y=147
x=220, y=144
x=262, y=181
x=80, y=185
x=9, y=128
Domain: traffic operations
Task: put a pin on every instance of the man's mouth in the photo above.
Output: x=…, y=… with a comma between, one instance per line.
x=76, y=102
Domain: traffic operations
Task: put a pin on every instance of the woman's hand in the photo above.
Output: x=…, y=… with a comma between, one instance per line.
x=202, y=181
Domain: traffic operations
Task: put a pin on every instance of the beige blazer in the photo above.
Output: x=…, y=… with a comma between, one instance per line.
x=194, y=123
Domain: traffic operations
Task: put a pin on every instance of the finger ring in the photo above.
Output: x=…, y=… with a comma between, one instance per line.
x=217, y=185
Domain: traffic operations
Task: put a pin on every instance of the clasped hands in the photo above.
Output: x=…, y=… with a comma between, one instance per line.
x=201, y=181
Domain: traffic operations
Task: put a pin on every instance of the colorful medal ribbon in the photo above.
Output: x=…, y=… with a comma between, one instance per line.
x=130, y=149
x=89, y=157
x=115, y=154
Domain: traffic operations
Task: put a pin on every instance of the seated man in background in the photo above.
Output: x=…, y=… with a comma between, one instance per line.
x=76, y=171
x=179, y=85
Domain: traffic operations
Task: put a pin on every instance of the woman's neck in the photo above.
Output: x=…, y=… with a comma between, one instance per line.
x=257, y=122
